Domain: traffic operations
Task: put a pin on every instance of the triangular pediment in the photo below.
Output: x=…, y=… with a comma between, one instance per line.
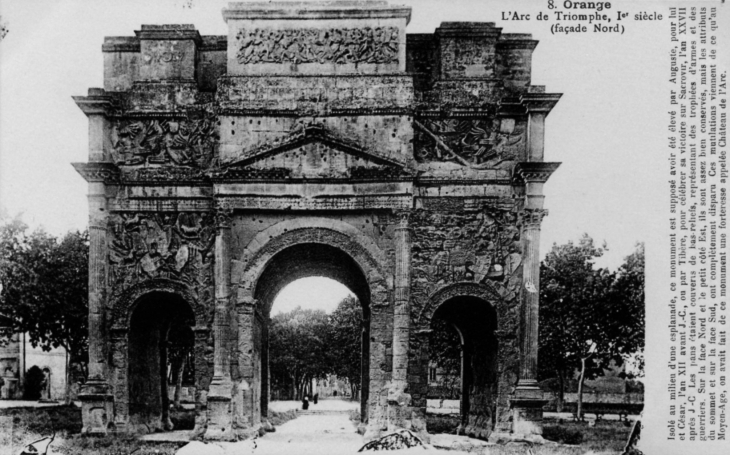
x=312, y=152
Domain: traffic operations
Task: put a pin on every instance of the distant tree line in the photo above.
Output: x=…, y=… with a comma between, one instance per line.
x=305, y=345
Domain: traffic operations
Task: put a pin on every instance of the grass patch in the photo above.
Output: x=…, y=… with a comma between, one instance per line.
x=114, y=444
x=22, y=426
x=606, y=437
x=62, y=419
x=562, y=435
x=442, y=423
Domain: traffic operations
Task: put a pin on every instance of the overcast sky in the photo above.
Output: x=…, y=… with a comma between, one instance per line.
x=606, y=130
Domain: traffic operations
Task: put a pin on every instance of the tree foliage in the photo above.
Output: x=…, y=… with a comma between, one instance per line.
x=45, y=287
x=345, y=340
x=588, y=316
x=309, y=344
x=298, y=349
x=444, y=350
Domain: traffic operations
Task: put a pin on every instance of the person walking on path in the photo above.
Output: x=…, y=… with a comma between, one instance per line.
x=305, y=403
x=316, y=397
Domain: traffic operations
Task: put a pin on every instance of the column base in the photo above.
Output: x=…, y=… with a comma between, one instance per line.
x=526, y=407
x=220, y=422
x=97, y=407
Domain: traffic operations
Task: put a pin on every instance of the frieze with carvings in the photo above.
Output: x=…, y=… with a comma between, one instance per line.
x=183, y=142
x=336, y=45
x=162, y=174
x=174, y=246
x=477, y=143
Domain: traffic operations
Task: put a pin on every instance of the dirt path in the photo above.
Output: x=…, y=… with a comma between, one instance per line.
x=323, y=434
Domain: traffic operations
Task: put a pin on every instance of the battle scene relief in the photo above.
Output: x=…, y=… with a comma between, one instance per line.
x=477, y=143
x=340, y=46
x=172, y=246
x=182, y=142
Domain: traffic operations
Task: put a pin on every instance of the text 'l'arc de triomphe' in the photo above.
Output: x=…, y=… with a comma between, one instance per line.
x=315, y=139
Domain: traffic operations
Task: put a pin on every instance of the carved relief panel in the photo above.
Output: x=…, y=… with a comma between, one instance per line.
x=452, y=246
x=477, y=143
x=183, y=142
x=174, y=246
x=334, y=45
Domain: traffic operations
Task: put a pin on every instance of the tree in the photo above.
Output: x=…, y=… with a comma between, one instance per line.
x=345, y=341
x=587, y=318
x=45, y=289
x=629, y=287
x=298, y=351
x=444, y=349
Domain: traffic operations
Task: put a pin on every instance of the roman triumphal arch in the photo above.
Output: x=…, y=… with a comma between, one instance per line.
x=314, y=139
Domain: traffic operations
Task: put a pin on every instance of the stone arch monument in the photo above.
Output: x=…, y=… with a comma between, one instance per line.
x=314, y=139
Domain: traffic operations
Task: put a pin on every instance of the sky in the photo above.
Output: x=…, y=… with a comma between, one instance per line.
x=313, y=292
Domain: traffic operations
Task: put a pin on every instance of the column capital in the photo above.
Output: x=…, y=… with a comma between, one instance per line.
x=533, y=172
x=98, y=102
x=223, y=216
x=540, y=102
x=95, y=171
x=403, y=218
x=532, y=218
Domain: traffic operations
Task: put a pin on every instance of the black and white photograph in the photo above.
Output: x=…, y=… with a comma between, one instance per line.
x=341, y=226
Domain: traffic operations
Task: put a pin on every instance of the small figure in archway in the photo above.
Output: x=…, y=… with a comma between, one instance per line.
x=305, y=403
x=316, y=397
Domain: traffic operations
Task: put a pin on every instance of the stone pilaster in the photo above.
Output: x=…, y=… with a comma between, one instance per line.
x=398, y=399
x=528, y=401
x=532, y=218
x=246, y=314
x=96, y=394
x=220, y=394
x=96, y=397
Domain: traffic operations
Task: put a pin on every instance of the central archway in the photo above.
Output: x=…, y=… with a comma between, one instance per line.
x=367, y=272
x=303, y=261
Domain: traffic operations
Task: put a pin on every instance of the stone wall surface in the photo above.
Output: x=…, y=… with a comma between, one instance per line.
x=315, y=139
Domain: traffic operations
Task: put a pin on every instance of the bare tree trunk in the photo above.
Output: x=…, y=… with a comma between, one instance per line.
x=561, y=392
x=178, y=384
x=67, y=398
x=579, y=410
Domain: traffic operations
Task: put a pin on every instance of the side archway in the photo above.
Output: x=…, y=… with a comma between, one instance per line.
x=153, y=320
x=470, y=310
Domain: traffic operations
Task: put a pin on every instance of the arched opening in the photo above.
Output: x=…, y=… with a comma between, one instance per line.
x=463, y=361
x=302, y=261
x=160, y=339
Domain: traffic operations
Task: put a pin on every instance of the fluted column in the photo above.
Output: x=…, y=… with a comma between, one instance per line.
x=528, y=399
x=401, y=311
x=532, y=218
x=97, y=280
x=220, y=393
x=221, y=324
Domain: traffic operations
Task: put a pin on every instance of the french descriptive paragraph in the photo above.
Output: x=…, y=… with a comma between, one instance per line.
x=697, y=386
